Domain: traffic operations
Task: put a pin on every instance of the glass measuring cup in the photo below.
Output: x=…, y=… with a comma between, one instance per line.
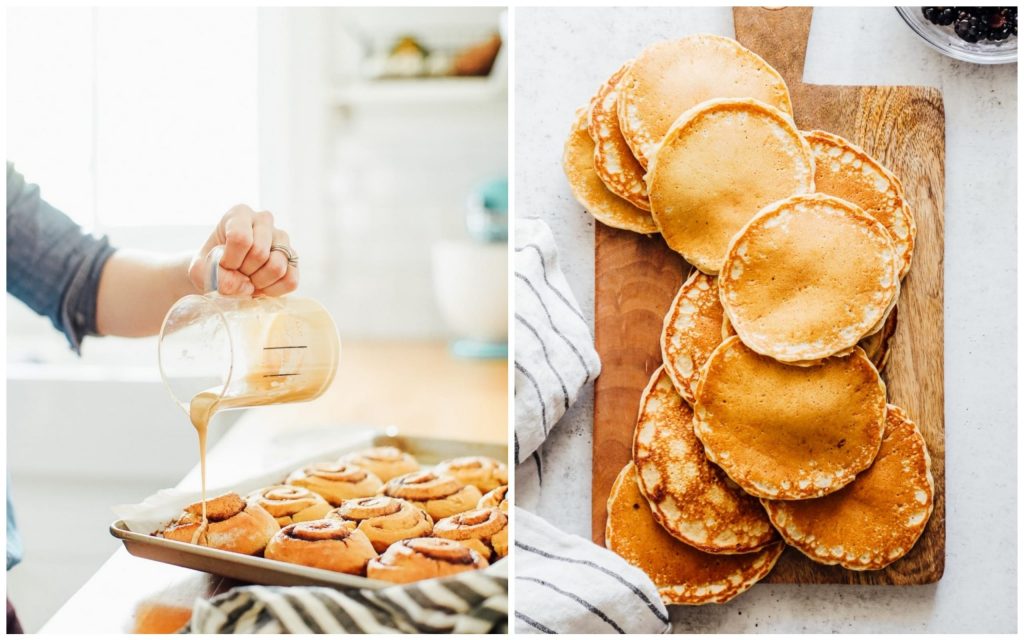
x=242, y=351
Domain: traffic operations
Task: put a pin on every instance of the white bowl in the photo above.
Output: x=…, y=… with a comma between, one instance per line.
x=944, y=39
x=471, y=288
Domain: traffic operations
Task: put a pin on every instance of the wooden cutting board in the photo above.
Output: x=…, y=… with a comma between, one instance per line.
x=637, y=276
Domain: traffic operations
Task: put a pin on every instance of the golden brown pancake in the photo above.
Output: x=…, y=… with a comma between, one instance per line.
x=692, y=499
x=875, y=520
x=692, y=330
x=672, y=76
x=682, y=574
x=727, y=329
x=719, y=164
x=613, y=160
x=808, y=277
x=844, y=170
x=878, y=345
x=785, y=432
x=578, y=162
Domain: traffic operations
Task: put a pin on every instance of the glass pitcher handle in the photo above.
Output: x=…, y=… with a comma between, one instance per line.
x=211, y=265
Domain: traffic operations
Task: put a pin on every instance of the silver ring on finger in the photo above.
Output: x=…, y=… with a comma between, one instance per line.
x=289, y=254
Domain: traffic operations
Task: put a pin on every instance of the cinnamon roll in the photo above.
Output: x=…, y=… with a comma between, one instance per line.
x=483, y=473
x=232, y=524
x=324, y=544
x=423, y=558
x=440, y=496
x=483, y=530
x=336, y=481
x=384, y=462
x=495, y=498
x=384, y=520
x=288, y=503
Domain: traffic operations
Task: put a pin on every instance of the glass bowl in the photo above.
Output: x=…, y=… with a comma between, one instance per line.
x=946, y=41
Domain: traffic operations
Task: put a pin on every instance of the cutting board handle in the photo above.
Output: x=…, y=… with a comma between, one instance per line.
x=779, y=35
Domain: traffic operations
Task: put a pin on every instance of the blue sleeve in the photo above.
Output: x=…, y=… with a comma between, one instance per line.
x=53, y=265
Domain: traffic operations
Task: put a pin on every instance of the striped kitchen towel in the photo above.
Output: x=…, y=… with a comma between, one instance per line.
x=471, y=602
x=554, y=355
x=565, y=584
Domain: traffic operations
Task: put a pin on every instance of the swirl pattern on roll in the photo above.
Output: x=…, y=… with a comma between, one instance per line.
x=336, y=481
x=384, y=462
x=480, y=471
x=325, y=544
x=439, y=495
x=290, y=503
x=483, y=530
x=384, y=520
x=495, y=498
x=233, y=524
x=422, y=558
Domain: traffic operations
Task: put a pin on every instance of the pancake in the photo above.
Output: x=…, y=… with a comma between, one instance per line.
x=613, y=160
x=692, y=330
x=719, y=164
x=672, y=76
x=784, y=432
x=727, y=329
x=808, y=277
x=877, y=346
x=682, y=574
x=578, y=162
x=874, y=521
x=844, y=170
x=692, y=499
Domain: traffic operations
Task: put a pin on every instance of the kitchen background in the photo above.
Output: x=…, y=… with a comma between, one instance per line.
x=148, y=124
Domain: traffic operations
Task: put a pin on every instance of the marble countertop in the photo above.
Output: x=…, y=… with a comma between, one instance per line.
x=562, y=56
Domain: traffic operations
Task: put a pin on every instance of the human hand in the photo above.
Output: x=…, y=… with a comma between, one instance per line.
x=250, y=263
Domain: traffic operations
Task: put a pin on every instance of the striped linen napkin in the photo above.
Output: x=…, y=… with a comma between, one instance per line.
x=564, y=584
x=554, y=355
x=472, y=602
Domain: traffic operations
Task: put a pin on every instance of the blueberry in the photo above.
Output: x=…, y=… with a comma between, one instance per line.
x=1000, y=34
x=972, y=24
x=939, y=15
x=968, y=27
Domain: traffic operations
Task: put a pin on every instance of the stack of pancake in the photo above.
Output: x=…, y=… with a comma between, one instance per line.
x=768, y=423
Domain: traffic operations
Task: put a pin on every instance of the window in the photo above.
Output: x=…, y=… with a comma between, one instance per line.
x=132, y=117
x=139, y=123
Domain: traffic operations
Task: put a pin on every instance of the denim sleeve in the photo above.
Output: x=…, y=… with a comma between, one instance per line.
x=53, y=265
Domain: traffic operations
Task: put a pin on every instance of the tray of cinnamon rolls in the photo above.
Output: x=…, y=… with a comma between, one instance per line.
x=398, y=510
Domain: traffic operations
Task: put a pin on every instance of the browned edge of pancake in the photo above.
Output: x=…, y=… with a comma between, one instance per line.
x=905, y=247
x=590, y=192
x=682, y=594
x=713, y=514
x=896, y=418
x=878, y=345
x=610, y=147
x=686, y=384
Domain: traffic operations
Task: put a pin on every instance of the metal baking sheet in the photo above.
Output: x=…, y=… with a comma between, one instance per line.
x=257, y=570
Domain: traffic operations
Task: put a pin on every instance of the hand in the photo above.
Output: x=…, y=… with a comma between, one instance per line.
x=247, y=266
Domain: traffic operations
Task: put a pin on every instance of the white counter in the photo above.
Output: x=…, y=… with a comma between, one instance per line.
x=562, y=56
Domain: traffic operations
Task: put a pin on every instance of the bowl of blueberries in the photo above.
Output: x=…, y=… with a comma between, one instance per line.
x=983, y=35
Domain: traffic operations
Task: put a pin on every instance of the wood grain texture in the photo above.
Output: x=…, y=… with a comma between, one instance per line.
x=637, y=276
